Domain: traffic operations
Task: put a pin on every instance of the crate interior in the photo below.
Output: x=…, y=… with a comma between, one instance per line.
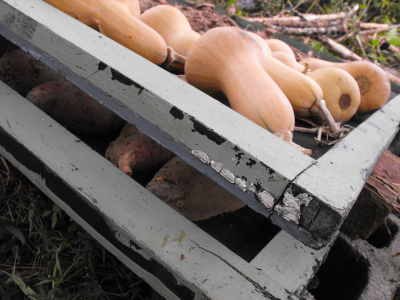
x=245, y=232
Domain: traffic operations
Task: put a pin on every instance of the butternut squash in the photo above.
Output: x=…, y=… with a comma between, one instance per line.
x=304, y=93
x=278, y=45
x=288, y=60
x=263, y=44
x=116, y=20
x=226, y=60
x=172, y=25
x=341, y=92
x=373, y=82
x=84, y=10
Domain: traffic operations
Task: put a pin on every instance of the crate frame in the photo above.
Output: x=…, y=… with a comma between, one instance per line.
x=200, y=131
x=173, y=255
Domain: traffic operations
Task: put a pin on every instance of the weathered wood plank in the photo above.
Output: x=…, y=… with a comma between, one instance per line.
x=180, y=117
x=291, y=263
x=343, y=171
x=173, y=255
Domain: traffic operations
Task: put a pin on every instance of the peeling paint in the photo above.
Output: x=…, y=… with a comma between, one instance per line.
x=206, y=131
x=176, y=113
x=125, y=240
x=251, y=162
x=116, y=75
x=216, y=166
x=241, y=183
x=291, y=209
x=252, y=188
x=228, y=175
x=267, y=199
x=304, y=198
x=200, y=155
x=102, y=66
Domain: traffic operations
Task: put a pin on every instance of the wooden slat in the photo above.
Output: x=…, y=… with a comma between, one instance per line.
x=123, y=216
x=343, y=171
x=291, y=263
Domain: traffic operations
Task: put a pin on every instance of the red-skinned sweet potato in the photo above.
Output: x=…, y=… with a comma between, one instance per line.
x=74, y=109
x=191, y=193
x=135, y=152
x=22, y=72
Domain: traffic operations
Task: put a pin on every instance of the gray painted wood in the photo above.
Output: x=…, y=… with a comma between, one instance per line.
x=135, y=217
x=172, y=112
x=343, y=171
x=345, y=168
x=289, y=262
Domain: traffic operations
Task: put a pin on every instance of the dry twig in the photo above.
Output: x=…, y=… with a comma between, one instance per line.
x=339, y=49
x=6, y=166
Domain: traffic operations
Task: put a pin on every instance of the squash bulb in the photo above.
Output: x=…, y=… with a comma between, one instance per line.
x=172, y=25
x=341, y=92
x=228, y=61
x=373, y=82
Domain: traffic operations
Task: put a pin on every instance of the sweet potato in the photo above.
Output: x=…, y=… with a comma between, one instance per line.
x=74, y=109
x=191, y=193
x=135, y=152
x=22, y=72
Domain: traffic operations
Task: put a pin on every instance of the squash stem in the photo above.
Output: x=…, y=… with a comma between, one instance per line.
x=175, y=62
x=320, y=110
x=287, y=136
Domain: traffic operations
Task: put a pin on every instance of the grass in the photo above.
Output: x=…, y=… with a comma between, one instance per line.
x=46, y=254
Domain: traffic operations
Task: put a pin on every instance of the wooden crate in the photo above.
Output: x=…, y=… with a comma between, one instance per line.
x=142, y=231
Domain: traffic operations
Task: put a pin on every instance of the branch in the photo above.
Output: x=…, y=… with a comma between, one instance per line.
x=331, y=30
x=311, y=18
x=378, y=30
x=340, y=50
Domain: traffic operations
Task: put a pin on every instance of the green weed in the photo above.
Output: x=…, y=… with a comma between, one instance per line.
x=44, y=254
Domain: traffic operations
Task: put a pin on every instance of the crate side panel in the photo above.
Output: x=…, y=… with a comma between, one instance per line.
x=338, y=176
x=122, y=211
x=290, y=262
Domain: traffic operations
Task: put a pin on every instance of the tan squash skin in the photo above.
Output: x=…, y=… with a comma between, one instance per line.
x=172, y=25
x=288, y=60
x=84, y=10
x=341, y=92
x=115, y=19
x=228, y=60
x=301, y=90
x=132, y=6
x=373, y=82
x=278, y=45
x=263, y=44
